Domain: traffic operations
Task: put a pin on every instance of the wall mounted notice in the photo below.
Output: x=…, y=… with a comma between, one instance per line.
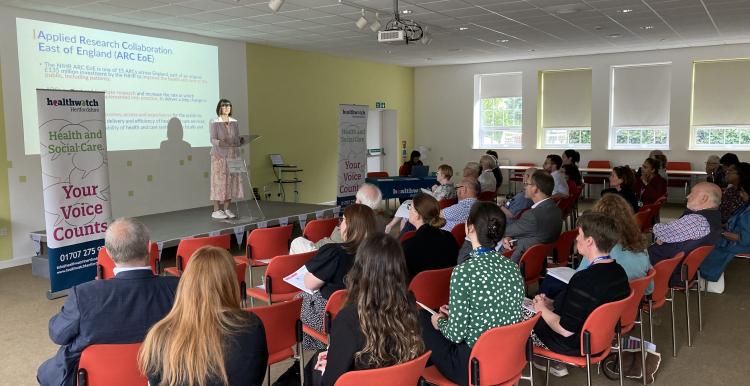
x=352, y=152
x=148, y=81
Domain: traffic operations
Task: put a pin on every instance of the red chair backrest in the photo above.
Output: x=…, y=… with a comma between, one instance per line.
x=643, y=219
x=678, y=165
x=599, y=164
x=638, y=286
x=664, y=271
x=111, y=365
x=404, y=374
x=106, y=266
x=241, y=269
x=265, y=243
x=318, y=229
x=444, y=203
x=600, y=326
x=487, y=196
x=501, y=352
x=532, y=261
x=432, y=287
x=564, y=246
x=517, y=174
x=377, y=174
x=459, y=233
x=281, y=267
x=187, y=247
x=333, y=306
x=406, y=236
x=694, y=259
x=280, y=322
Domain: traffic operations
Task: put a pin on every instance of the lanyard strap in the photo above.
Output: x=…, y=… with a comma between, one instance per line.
x=482, y=250
x=600, y=258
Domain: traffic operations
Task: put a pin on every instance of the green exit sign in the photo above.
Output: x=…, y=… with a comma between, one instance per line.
x=379, y=105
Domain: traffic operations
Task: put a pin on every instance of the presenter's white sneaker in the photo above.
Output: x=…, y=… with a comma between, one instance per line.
x=219, y=215
x=229, y=213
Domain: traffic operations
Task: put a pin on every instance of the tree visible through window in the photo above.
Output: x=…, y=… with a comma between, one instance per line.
x=500, y=122
x=712, y=137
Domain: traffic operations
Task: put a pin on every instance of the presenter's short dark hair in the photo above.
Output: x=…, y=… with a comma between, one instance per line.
x=223, y=101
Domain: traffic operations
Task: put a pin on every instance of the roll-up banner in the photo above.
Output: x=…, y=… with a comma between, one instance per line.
x=75, y=182
x=352, y=152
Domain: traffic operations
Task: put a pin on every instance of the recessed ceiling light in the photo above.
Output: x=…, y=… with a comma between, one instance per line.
x=647, y=27
x=662, y=39
x=614, y=35
x=463, y=28
x=454, y=49
x=502, y=41
x=532, y=50
x=428, y=59
x=388, y=51
x=625, y=10
x=598, y=28
x=406, y=11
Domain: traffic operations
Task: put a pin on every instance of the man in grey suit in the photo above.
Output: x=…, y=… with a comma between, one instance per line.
x=119, y=310
x=539, y=225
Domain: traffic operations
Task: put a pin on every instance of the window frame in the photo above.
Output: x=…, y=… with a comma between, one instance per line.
x=479, y=130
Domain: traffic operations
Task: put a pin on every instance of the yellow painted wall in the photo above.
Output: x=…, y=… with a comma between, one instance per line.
x=6, y=242
x=293, y=99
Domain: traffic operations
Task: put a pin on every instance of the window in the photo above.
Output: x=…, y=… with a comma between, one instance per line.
x=565, y=109
x=720, y=117
x=498, y=111
x=639, y=106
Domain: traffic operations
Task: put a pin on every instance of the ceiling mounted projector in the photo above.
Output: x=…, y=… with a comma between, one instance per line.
x=400, y=31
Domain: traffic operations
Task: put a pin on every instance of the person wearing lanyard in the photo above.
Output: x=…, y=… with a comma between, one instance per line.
x=602, y=282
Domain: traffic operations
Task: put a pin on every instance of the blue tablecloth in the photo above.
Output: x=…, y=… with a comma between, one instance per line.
x=402, y=187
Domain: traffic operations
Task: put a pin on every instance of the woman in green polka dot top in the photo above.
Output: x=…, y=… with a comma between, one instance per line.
x=486, y=291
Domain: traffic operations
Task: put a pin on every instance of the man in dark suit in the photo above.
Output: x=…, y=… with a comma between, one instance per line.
x=119, y=310
x=539, y=225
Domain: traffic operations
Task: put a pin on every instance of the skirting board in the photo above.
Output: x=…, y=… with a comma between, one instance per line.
x=14, y=262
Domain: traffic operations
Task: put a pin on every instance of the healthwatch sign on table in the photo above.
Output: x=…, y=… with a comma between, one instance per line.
x=75, y=179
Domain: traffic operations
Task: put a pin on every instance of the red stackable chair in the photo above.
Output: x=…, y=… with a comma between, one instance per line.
x=275, y=289
x=187, y=247
x=264, y=244
x=334, y=304
x=497, y=358
x=676, y=180
x=241, y=270
x=318, y=229
x=643, y=219
x=432, y=288
x=377, y=175
x=690, y=276
x=404, y=374
x=564, y=248
x=459, y=233
x=533, y=261
x=406, y=236
x=105, y=266
x=283, y=332
x=516, y=175
x=111, y=365
x=444, y=203
x=598, y=331
x=657, y=299
x=487, y=196
x=597, y=178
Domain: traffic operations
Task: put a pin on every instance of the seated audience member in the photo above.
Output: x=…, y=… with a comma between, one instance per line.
x=472, y=170
x=539, y=225
x=496, y=171
x=329, y=266
x=730, y=198
x=486, y=291
x=368, y=195
x=714, y=171
x=552, y=165
x=378, y=325
x=659, y=156
x=486, y=178
x=724, y=162
x=444, y=189
x=699, y=225
x=120, y=310
x=571, y=157
x=456, y=214
x=602, y=282
x=621, y=181
x=206, y=340
x=650, y=186
x=519, y=202
x=735, y=239
x=572, y=177
x=405, y=169
x=431, y=247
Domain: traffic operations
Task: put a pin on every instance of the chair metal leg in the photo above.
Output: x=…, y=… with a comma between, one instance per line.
x=531, y=371
x=268, y=369
x=651, y=319
x=619, y=355
x=546, y=379
x=700, y=308
x=674, y=334
x=687, y=312
x=588, y=369
x=643, y=346
x=301, y=353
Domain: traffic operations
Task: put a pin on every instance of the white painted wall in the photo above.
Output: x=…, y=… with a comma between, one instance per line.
x=173, y=186
x=444, y=97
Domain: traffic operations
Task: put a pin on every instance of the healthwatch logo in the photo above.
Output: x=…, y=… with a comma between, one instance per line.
x=68, y=102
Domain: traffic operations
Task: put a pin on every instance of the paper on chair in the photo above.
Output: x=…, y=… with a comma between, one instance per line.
x=561, y=273
x=297, y=279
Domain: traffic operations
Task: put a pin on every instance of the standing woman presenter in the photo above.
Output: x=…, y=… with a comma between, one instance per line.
x=225, y=141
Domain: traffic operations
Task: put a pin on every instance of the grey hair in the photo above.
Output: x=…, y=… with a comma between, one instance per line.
x=127, y=240
x=474, y=167
x=527, y=174
x=713, y=158
x=489, y=160
x=369, y=195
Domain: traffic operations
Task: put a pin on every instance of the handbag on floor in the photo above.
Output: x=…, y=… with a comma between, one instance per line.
x=631, y=364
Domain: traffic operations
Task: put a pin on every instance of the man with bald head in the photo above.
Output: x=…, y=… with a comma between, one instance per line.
x=119, y=310
x=699, y=225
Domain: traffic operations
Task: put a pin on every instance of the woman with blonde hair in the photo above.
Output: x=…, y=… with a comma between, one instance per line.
x=486, y=178
x=206, y=339
x=430, y=247
x=378, y=325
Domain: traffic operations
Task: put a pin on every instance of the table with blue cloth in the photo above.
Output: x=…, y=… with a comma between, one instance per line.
x=402, y=188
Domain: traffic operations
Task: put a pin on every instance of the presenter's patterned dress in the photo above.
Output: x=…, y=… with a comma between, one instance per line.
x=224, y=185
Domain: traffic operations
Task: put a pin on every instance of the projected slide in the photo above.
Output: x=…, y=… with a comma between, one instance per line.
x=147, y=81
